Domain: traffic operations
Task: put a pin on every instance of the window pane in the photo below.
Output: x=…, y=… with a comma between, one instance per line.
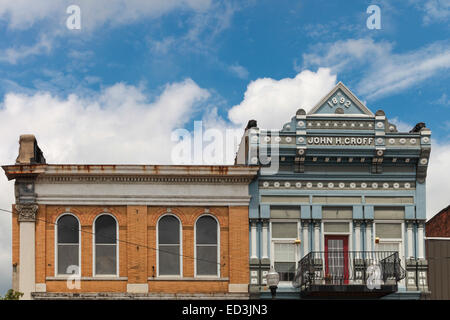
x=286, y=270
x=389, y=246
x=206, y=230
x=169, y=260
x=68, y=229
x=105, y=229
x=284, y=252
x=169, y=230
x=284, y=230
x=207, y=260
x=388, y=230
x=105, y=259
x=67, y=256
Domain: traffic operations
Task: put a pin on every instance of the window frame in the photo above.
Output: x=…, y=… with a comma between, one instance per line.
x=94, y=247
x=218, y=248
x=401, y=241
x=65, y=275
x=284, y=241
x=180, y=275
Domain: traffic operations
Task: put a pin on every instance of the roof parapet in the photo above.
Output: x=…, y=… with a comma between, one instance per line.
x=29, y=151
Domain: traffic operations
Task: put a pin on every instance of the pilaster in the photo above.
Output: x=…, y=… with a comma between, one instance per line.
x=27, y=251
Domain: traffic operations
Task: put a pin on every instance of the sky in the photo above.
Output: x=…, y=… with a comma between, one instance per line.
x=115, y=89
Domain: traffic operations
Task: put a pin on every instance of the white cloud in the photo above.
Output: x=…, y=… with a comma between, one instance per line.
x=274, y=102
x=436, y=11
x=383, y=72
x=443, y=100
x=239, y=71
x=14, y=54
x=118, y=125
x=401, y=125
x=23, y=14
x=438, y=196
x=438, y=173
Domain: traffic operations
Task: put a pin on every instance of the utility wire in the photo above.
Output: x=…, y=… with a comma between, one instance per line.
x=123, y=241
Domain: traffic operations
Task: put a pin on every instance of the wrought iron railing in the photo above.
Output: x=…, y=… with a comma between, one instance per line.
x=371, y=268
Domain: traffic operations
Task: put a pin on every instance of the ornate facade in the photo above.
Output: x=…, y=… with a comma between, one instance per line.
x=128, y=231
x=339, y=188
x=334, y=201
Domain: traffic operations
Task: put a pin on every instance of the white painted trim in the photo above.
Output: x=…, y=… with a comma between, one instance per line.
x=101, y=200
x=195, y=247
x=437, y=238
x=56, y=244
x=284, y=240
x=402, y=248
x=349, y=233
x=94, y=246
x=180, y=251
x=350, y=94
x=253, y=233
x=265, y=229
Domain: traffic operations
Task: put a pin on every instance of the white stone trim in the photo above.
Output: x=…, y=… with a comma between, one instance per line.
x=27, y=259
x=265, y=231
x=238, y=287
x=253, y=239
x=41, y=287
x=137, y=287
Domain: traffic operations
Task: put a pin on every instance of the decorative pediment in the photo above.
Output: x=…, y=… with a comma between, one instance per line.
x=341, y=100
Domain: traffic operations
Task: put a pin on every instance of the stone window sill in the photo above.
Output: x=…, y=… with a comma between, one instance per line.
x=64, y=278
x=187, y=279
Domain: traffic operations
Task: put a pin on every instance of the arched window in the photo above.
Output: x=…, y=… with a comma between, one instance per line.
x=68, y=245
x=105, y=245
x=169, y=246
x=207, y=246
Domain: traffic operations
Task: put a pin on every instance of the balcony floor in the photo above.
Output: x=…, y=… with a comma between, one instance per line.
x=347, y=291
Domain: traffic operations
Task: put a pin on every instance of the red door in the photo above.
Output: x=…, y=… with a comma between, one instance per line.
x=336, y=259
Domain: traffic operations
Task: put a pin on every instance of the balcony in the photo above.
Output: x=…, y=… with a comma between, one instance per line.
x=347, y=274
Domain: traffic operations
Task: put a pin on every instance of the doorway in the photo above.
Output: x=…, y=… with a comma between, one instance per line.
x=336, y=259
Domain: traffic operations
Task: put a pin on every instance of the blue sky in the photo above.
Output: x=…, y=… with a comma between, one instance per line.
x=137, y=70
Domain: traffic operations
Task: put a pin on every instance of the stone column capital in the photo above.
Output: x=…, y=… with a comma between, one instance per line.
x=27, y=212
x=409, y=223
x=421, y=223
x=357, y=223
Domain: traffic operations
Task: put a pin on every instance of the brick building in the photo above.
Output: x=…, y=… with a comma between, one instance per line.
x=128, y=231
x=437, y=243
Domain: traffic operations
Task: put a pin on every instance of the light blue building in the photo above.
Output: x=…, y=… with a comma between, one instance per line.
x=338, y=207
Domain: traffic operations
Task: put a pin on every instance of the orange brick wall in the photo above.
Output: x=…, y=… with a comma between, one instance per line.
x=239, y=267
x=137, y=259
